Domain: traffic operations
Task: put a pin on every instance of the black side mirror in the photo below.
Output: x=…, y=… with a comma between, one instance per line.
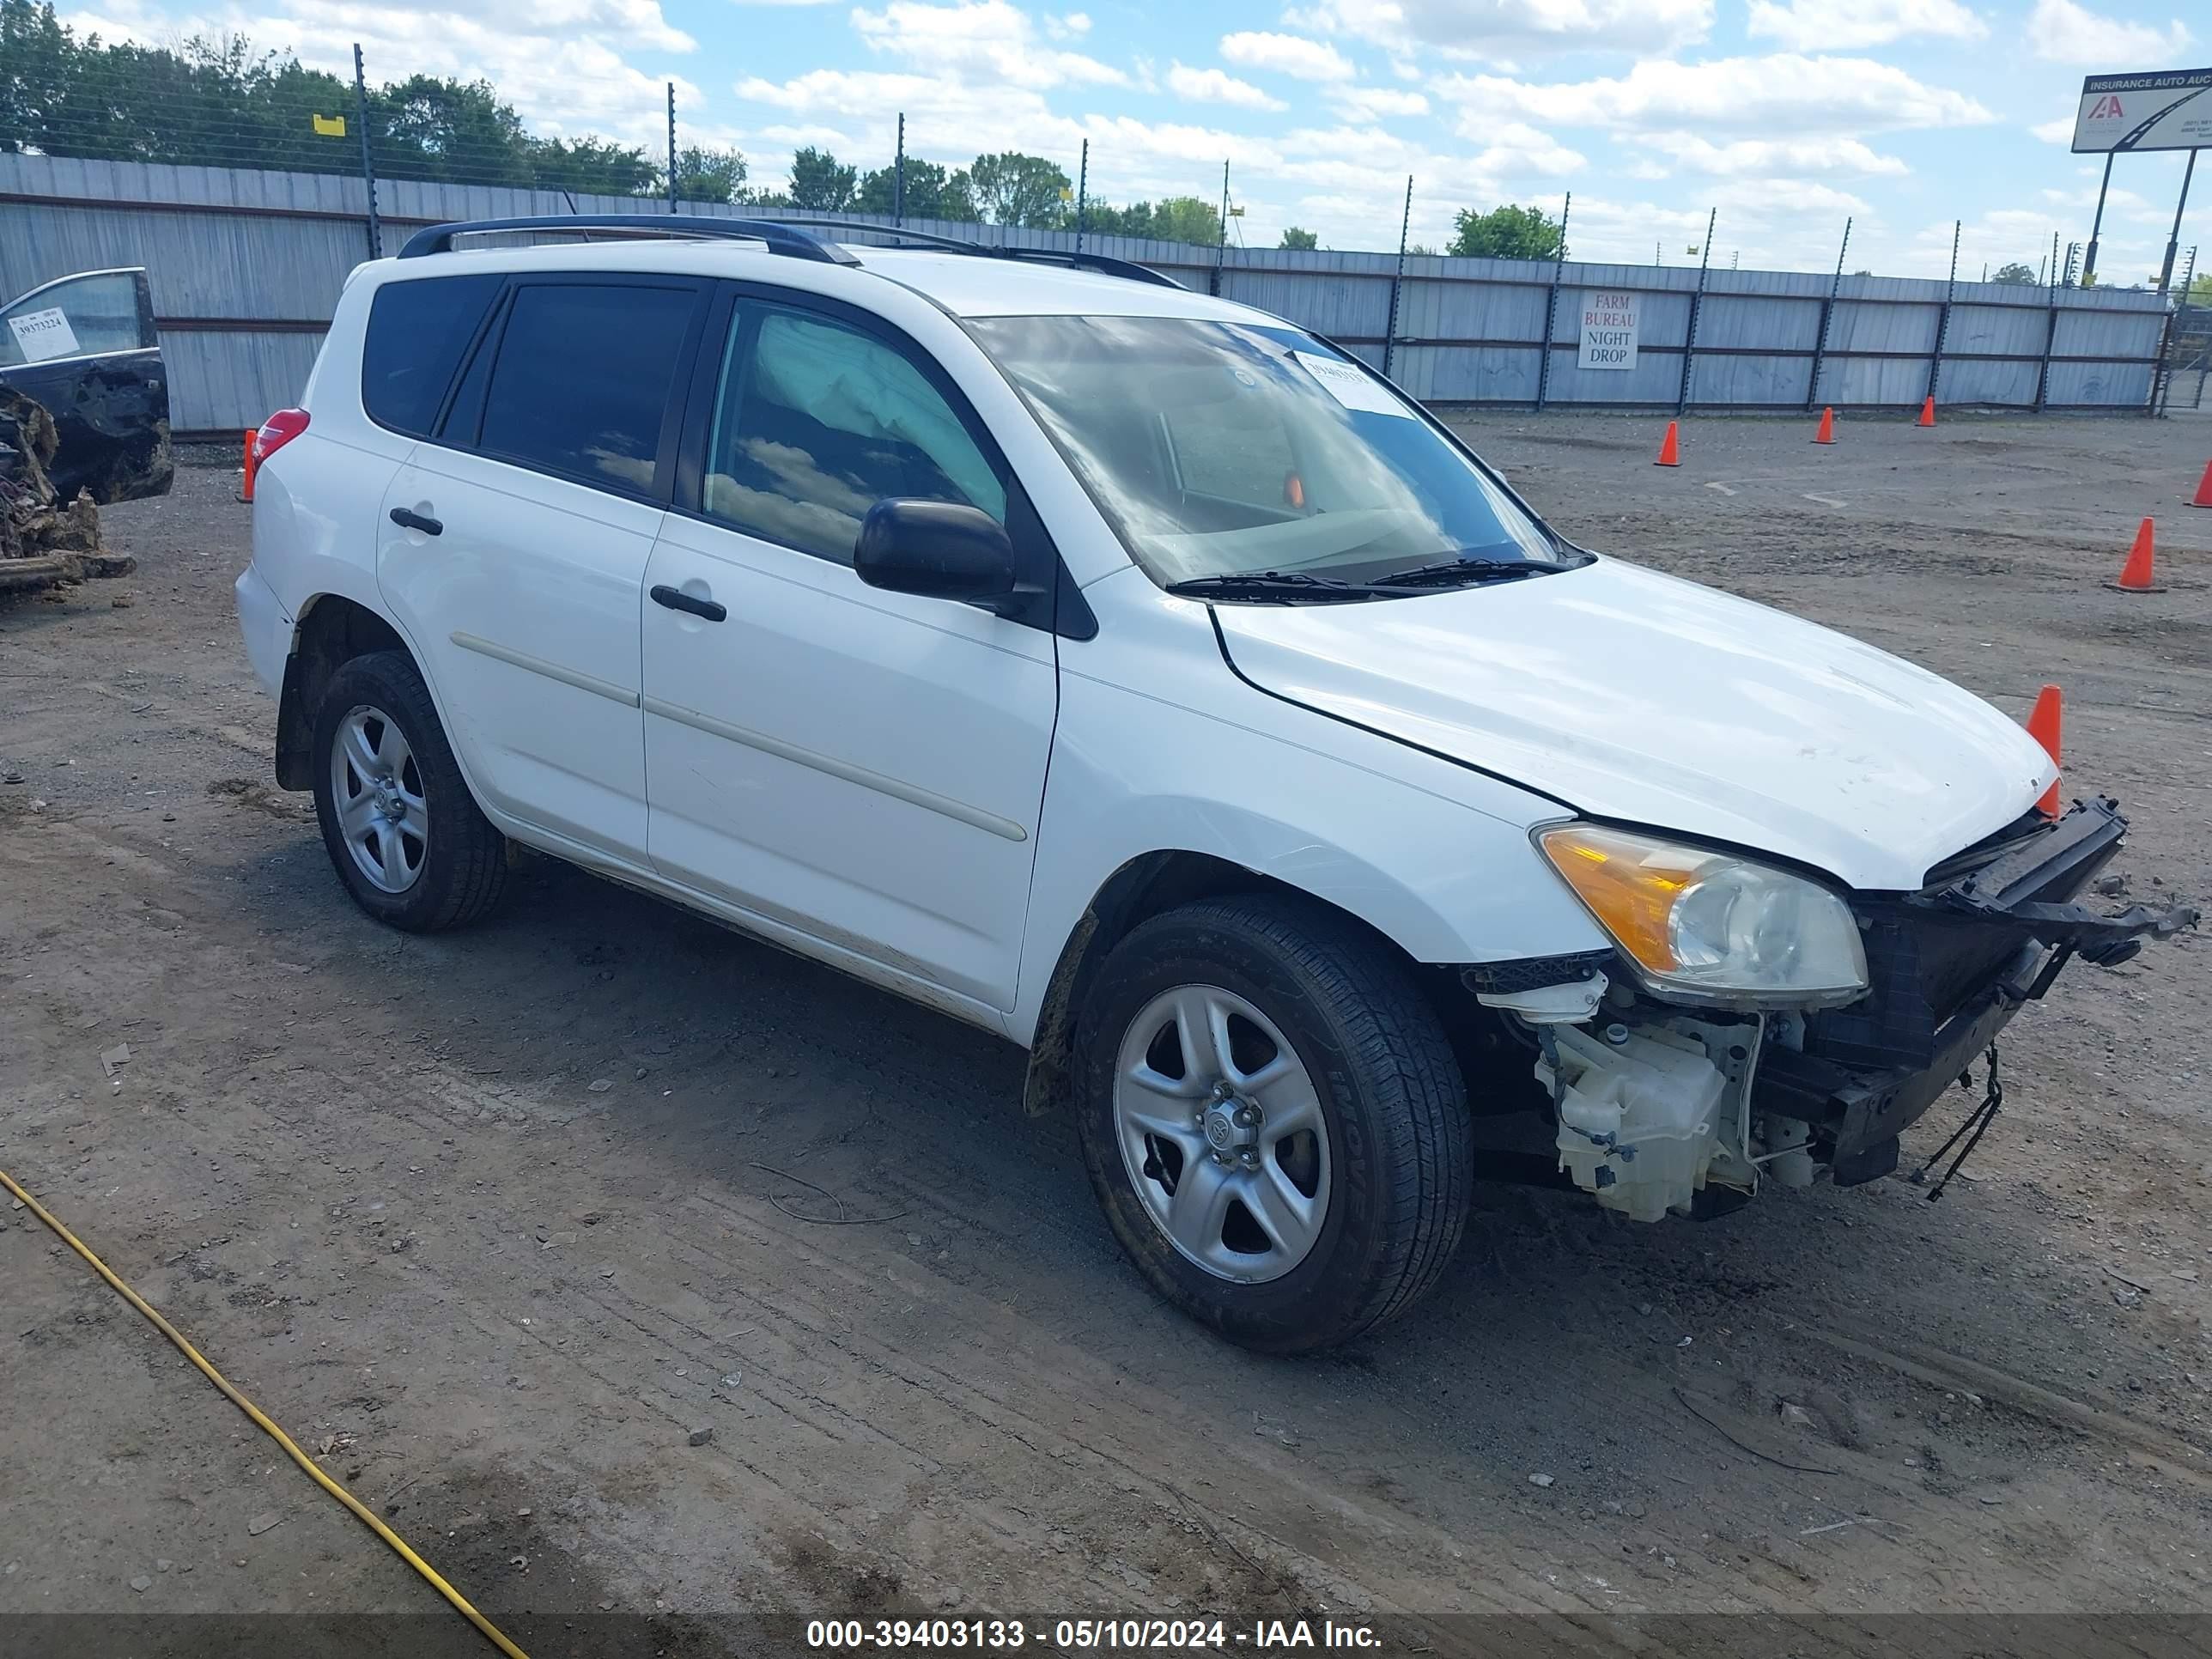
x=940, y=550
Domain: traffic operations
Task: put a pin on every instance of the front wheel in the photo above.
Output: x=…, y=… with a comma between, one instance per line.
x=1273, y=1119
x=401, y=828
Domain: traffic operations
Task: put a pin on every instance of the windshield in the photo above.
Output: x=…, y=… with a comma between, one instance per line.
x=1218, y=449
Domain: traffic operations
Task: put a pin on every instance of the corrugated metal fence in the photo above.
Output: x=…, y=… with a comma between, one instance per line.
x=245, y=266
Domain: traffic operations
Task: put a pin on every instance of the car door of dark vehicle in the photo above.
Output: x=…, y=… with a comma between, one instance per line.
x=84, y=348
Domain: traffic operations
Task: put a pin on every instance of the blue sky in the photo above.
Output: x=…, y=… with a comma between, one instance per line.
x=1787, y=116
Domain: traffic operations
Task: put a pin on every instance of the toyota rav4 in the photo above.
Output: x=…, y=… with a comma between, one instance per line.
x=1144, y=679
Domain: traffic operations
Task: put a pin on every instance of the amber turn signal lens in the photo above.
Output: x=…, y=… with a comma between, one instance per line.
x=1629, y=885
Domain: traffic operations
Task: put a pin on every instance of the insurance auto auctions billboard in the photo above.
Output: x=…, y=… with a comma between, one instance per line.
x=2168, y=109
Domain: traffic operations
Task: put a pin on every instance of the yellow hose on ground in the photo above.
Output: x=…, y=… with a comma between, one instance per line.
x=492, y=1633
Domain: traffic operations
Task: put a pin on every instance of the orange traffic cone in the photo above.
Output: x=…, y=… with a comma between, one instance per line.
x=2135, y=574
x=1827, y=434
x=245, y=476
x=2043, y=725
x=1927, y=411
x=2204, y=496
x=1670, y=449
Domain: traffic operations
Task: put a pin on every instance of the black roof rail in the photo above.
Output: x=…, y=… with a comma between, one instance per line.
x=778, y=236
x=1102, y=264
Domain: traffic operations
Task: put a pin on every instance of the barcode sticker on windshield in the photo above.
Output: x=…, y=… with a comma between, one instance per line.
x=44, y=334
x=1351, y=386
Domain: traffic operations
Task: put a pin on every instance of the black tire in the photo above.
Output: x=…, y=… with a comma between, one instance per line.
x=462, y=868
x=1401, y=1173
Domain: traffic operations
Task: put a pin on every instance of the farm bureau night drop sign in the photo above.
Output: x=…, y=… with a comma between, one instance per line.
x=1608, y=329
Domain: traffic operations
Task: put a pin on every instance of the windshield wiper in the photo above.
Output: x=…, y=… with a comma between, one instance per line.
x=1448, y=572
x=1287, y=586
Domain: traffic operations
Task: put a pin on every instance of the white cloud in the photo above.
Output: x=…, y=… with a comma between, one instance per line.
x=2065, y=32
x=985, y=40
x=1375, y=103
x=1842, y=25
x=1784, y=92
x=2059, y=131
x=1755, y=158
x=1214, y=86
x=1485, y=29
x=1068, y=26
x=1287, y=54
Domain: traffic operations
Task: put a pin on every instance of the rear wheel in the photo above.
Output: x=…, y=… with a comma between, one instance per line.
x=402, y=829
x=1273, y=1121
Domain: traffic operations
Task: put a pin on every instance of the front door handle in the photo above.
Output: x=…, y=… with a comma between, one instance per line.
x=677, y=599
x=411, y=520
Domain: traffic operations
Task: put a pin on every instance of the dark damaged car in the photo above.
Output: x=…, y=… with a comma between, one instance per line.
x=83, y=347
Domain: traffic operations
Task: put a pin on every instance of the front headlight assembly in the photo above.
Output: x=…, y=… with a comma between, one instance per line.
x=1712, y=927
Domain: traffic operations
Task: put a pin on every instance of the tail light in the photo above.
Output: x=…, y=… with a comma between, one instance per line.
x=276, y=431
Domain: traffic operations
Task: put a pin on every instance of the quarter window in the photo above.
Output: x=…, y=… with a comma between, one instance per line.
x=582, y=381
x=815, y=422
x=417, y=330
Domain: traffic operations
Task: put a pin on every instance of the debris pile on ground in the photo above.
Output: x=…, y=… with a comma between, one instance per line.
x=43, y=539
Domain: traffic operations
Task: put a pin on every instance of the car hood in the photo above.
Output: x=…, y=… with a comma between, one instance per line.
x=1637, y=696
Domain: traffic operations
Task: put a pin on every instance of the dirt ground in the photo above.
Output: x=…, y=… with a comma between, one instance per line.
x=493, y=1222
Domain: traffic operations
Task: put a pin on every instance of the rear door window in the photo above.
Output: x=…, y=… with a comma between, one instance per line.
x=417, y=331
x=817, y=422
x=582, y=380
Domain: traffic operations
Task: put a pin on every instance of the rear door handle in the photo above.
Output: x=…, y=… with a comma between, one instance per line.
x=410, y=521
x=677, y=599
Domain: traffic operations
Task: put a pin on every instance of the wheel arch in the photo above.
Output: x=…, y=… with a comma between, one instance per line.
x=1143, y=887
x=330, y=629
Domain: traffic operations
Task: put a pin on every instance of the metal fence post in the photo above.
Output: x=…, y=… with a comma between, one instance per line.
x=2051, y=331
x=1082, y=192
x=898, y=176
x=2173, y=242
x=672, y=146
x=2161, y=371
x=1552, y=304
x=1697, y=304
x=367, y=164
x=1943, y=318
x=1221, y=250
x=2096, y=224
x=1827, y=312
x=1397, y=280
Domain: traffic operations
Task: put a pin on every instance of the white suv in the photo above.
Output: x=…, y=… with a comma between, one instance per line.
x=1140, y=678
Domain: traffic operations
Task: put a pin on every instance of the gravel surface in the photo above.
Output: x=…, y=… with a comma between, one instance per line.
x=504, y=1226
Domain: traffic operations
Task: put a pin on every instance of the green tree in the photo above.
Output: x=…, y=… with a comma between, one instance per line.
x=710, y=175
x=932, y=191
x=1106, y=220
x=1187, y=219
x=1014, y=189
x=36, y=57
x=455, y=131
x=597, y=167
x=2200, y=292
x=2015, y=272
x=218, y=102
x=820, y=182
x=1505, y=233
x=1296, y=237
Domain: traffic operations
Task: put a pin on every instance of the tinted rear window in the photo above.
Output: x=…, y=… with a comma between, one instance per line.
x=417, y=331
x=583, y=379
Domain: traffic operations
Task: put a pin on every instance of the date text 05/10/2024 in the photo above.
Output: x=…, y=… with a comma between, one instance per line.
x=1261, y=1637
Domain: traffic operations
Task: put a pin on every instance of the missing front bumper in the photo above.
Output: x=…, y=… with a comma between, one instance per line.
x=1952, y=965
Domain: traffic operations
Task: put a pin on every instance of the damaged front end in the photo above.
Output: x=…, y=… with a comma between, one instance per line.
x=1662, y=1108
